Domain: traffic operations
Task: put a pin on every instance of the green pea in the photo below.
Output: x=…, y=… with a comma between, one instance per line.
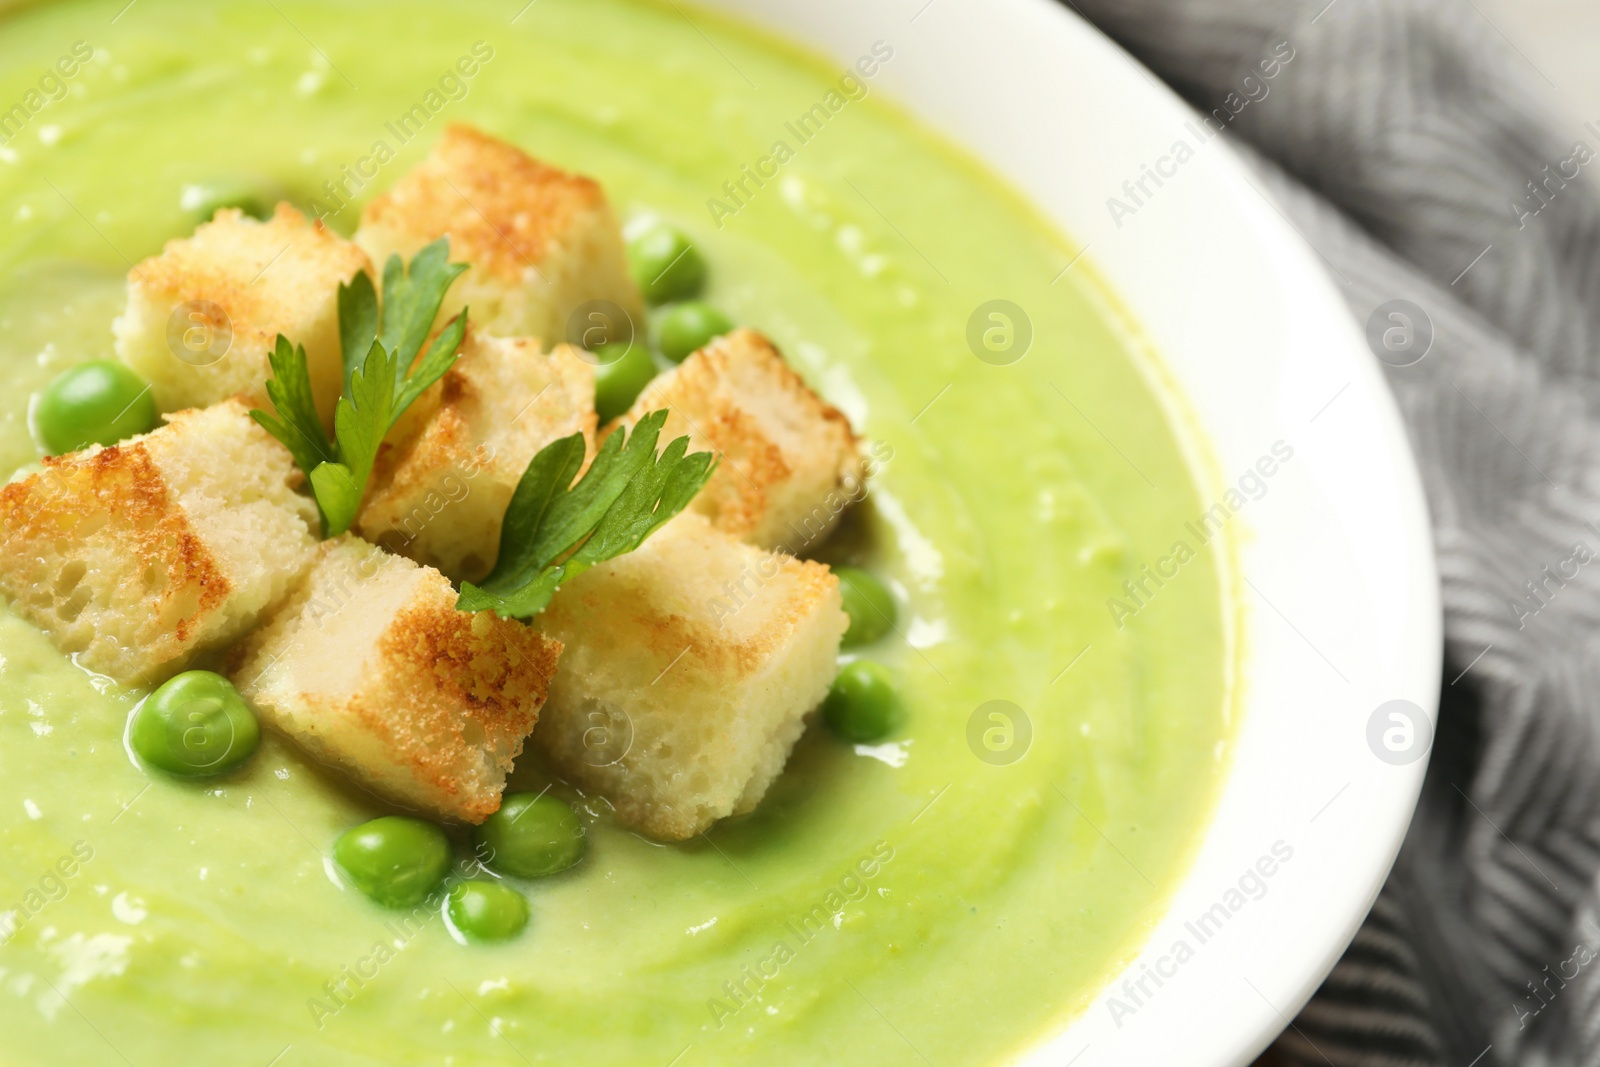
x=689, y=327
x=195, y=724
x=530, y=836
x=256, y=197
x=96, y=403
x=487, y=911
x=395, y=860
x=870, y=606
x=621, y=372
x=863, y=704
x=665, y=265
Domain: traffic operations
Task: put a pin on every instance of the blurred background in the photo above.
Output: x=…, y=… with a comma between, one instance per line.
x=1559, y=40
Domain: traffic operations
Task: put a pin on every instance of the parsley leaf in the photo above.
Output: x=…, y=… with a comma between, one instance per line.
x=296, y=424
x=358, y=322
x=411, y=300
x=363, y=417
x=379, y=348
x=626, y=495
x=441, y=356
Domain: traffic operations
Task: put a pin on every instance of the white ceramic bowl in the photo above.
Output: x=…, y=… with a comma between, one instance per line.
x=1341, y=609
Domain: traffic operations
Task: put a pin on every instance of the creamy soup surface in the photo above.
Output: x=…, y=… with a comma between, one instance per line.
x=945, y=897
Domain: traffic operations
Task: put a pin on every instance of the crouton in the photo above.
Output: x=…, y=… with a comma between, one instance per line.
x=370, y=667
x=539, y=242
x=135, y=557
x=439, y=497
x=243, y=279
x=690, y=666
x=784, y=450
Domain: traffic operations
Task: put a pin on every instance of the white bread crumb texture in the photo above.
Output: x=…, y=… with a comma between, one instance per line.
x=138, y=556
x=679, y=714
x=439, y=496
x=540, y=242
x=370, y=668
x=203, y=315
x=691, y=664
x=783, y=450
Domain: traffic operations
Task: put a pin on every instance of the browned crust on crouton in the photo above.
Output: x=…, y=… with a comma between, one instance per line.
x=439, y=663
x=404, y=469
x=256, y=312
x=439, y=702
x=699, y=401
x=447, y=439
x=502, y=401
x=709, y=709
x=703, y=648
x=501, y=208
x=111, y=500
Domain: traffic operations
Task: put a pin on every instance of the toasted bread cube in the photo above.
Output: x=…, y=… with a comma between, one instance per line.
x=252, y=279
x=785, y=453
x=370, y=667
x=135, y=557
x=539, y=241
x=439, y=496
x=690, y=666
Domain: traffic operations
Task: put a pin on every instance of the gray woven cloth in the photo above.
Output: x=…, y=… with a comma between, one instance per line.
x=1401, y=141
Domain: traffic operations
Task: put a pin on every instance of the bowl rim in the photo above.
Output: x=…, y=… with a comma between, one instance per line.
x=1351, y=537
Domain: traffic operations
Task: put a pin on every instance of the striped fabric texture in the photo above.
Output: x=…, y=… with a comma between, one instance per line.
x=1416, y=150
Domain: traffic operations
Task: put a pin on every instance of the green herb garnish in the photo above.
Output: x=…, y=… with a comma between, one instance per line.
x=624, y=497
x=382, y=377
x=554, y=528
